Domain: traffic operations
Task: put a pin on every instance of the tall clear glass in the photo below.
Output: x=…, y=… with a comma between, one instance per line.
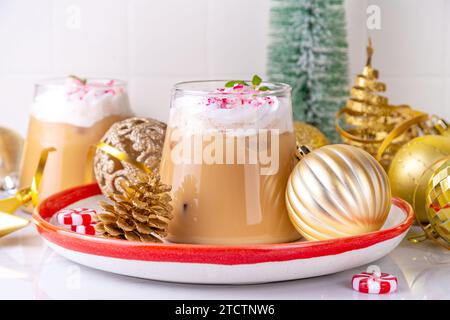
x=70, y=115
x=228, y=155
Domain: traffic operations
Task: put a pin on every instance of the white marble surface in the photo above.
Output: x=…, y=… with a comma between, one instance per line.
x=30, y=270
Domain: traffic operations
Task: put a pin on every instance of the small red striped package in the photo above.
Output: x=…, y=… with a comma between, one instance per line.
x=75, y=217
x=89, y=229
x=376, y=283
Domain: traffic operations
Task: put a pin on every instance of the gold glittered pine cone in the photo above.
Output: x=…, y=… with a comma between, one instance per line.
x=141, y=139
x=141, y=213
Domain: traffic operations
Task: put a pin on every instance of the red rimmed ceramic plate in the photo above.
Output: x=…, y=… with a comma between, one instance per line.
x=215, y=264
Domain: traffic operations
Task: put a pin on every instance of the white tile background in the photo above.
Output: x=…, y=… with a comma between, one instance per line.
x=153, y=44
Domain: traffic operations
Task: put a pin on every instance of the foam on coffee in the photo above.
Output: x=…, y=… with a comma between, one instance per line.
x=80, y=105
x=195, y=114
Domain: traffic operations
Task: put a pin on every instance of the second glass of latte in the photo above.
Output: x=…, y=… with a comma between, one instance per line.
x=70, y=115
x=228, y=154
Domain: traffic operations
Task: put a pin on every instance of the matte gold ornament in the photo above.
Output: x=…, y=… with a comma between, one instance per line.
x=309, y=135
x=337, y=191
x=409, y=170
x=141, y=139
x=368, y=120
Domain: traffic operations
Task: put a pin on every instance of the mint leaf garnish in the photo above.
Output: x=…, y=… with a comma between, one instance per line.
x=83, y=81
x=256, y=81
x=232, y=83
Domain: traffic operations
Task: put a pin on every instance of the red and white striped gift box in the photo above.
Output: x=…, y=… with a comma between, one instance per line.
x=89, y=229
x=367, y=282
x=75, y=217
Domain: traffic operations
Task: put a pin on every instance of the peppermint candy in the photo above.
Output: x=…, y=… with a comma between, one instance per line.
x=89, y=229
x=75, y=217
x=372, y=282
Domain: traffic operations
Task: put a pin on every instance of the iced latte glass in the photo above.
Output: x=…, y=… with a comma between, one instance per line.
x=228, y=154
x=70, y=115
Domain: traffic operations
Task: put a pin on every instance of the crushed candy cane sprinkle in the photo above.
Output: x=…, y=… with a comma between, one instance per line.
x=242, y=94
x=78, y=88
x=80, y=102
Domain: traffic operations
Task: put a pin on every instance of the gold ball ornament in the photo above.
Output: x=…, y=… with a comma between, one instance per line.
x=141, y=139
x=308, y=135
x=337, y=191
x=409, y=170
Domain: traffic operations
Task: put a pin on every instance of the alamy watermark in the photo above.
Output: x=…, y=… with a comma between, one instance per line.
x=255, y=147
x=373, y=21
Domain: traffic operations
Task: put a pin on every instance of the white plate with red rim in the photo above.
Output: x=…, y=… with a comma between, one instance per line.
x=211, y=264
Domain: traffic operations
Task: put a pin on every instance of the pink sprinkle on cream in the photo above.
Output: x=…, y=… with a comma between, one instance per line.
x=238, y=86
x=82, y=89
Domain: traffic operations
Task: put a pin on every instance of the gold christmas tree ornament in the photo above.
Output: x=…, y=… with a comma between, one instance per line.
x=141, y=213
x=337, y=191
x=309, y=135
x=368, y=120
x=141, y=139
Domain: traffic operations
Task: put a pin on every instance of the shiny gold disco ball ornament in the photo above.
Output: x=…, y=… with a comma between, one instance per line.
x=308, y=135
x=337, y=191
x=409, y=170
x=438, y=204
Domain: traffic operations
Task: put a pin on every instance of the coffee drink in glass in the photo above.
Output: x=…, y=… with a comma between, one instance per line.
x=69, y=115
x=228, y=154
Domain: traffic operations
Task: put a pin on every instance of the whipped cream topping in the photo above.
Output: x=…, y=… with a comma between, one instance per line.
x=234, y=113
x=80, y=104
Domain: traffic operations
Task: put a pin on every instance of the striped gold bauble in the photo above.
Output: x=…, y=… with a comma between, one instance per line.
x=337, y=191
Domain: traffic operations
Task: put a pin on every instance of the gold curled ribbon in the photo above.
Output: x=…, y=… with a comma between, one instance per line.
x=116, y=153
x=29, y=194
x=417, y=118
x=346, y=135
x=362, y=107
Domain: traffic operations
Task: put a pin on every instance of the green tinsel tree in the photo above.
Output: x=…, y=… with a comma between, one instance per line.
x=308, y=50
